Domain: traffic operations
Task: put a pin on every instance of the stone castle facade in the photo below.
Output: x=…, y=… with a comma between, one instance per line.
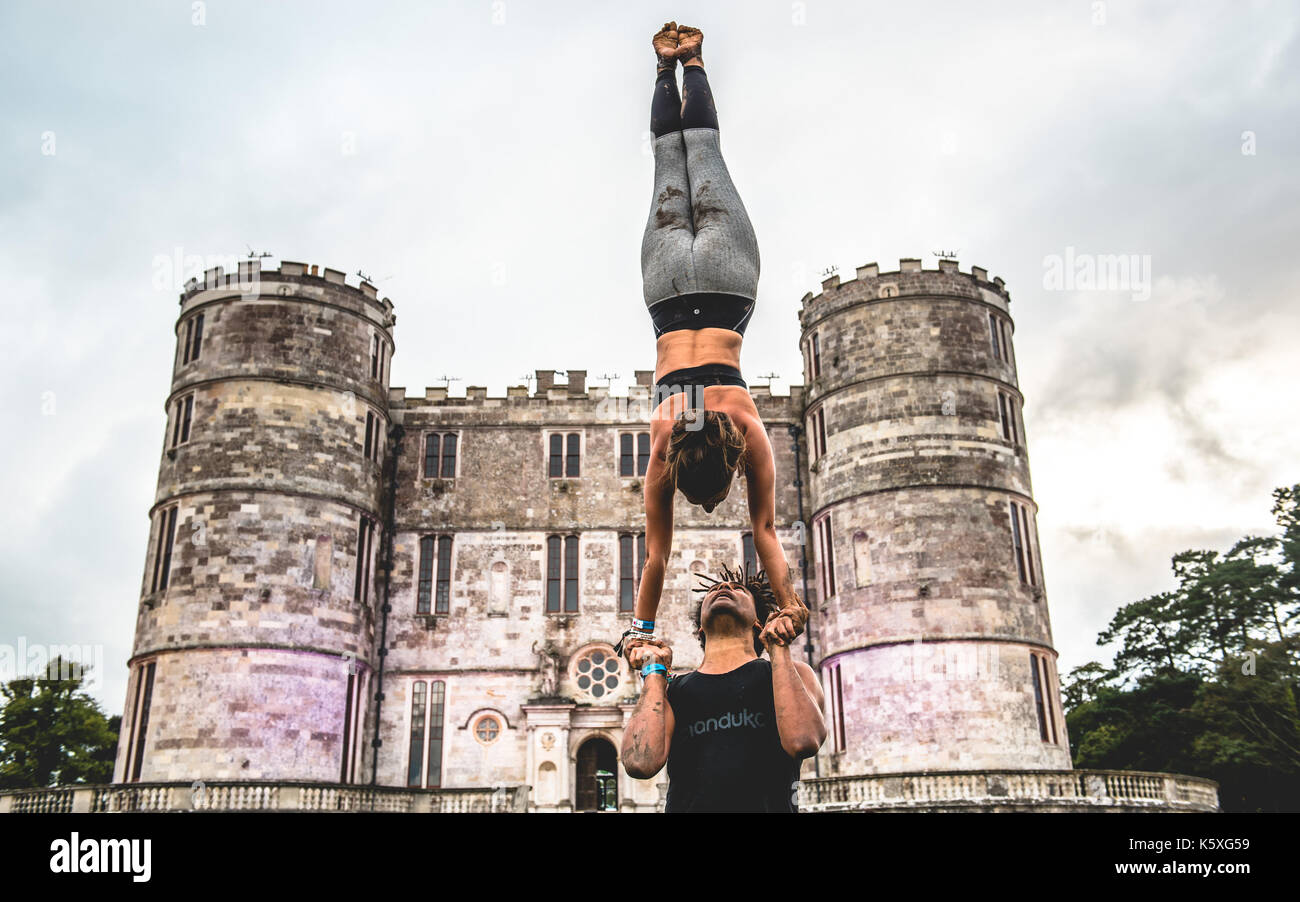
x=350, y=584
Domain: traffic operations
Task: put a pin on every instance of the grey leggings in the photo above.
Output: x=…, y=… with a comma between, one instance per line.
x=698, y=237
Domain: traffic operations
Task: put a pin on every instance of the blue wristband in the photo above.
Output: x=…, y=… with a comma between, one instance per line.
x=654, y=668
x=644, y=625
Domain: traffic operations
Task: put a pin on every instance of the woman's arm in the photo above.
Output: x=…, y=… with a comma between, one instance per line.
x=658, y=533
x=760, y=478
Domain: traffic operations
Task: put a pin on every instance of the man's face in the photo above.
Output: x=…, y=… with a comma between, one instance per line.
x=728, y=599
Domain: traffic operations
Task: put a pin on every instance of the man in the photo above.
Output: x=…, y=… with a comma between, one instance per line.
x=733, y=732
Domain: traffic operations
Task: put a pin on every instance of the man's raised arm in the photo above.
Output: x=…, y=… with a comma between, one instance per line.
x=800, y=705
x=650, y=729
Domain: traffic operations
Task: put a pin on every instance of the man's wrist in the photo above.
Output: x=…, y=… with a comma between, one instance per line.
x=652, y=669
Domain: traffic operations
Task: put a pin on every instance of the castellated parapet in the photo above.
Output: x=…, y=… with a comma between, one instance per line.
x=933, y=620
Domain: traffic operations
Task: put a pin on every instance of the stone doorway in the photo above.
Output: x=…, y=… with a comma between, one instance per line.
x=597, y=777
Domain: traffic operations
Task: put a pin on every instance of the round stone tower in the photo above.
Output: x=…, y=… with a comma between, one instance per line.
x=934, y=640
x=254, y=642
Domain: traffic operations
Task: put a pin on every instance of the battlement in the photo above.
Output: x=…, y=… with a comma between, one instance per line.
x=549, y=389
x=250, y=273
x=909, y=272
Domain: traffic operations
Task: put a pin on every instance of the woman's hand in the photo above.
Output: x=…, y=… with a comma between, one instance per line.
x=779, y=630
x=649, y=651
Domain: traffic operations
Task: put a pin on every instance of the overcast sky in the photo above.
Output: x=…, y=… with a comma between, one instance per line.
x=488, y=165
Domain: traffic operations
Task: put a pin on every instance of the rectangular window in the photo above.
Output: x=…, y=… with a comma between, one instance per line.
x=557, y=456
x=1026, y=542
x=837, y=707
x=142, y=728
x=163, y=558
x=748, y=552
x=821, y=431
x=570, y=573
x=432, y=445
x=437, y=696
x=626, y=455
x=1016, y=547
x=1038, y=697
x=994, y=334
x=424, y=592
x=626, y=576
x=186, y=341
x=631, y=561
x=374, y=357
x=449, y=455
x=1006, y=411
x=185, y=421
x=553, y=574
x=365, y=540
x=198, y=338
x=642, y=453
x=370, y=435
x=572, y=457
x=816, y=356
x=415, y=770
x=828, y=556
x=1006, y=342
x=1047, y=698
x=442, y=601
x=347, y=730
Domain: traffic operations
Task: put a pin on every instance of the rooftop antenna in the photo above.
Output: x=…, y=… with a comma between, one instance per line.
x=769, y=377
x=252, y=253
x=607, y=377
x=830, y=270
x=370, y=279
x=529, y=378
x=946, y=255
x=447, y=380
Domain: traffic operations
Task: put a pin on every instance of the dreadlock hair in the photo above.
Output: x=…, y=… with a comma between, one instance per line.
x=702, y=461
x=756, y=584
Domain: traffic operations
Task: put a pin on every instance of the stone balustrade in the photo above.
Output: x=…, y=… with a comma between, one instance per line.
x=1044, y=790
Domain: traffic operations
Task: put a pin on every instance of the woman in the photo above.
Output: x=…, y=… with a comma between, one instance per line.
x=699, y=267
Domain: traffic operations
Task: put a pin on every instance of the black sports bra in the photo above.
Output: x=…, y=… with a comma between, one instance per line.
x=702, y=310
x=693, y=380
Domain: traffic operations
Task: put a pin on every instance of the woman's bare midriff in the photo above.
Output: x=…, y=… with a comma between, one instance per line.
x=686, y=348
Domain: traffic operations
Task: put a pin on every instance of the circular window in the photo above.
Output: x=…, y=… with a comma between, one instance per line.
x=597, y=673
x=487, y=729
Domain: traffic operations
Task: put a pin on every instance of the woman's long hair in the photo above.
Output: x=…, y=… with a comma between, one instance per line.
x=702, y=461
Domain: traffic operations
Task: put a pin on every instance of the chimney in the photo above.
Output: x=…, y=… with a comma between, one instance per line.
x=577, y=382
x=545, y=379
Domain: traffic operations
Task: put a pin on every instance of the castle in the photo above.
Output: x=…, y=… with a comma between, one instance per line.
x=352, y=589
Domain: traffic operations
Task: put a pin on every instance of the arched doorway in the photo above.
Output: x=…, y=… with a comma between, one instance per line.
x=597, y=782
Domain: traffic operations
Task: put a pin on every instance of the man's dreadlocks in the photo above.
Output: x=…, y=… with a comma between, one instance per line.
x=756, y=584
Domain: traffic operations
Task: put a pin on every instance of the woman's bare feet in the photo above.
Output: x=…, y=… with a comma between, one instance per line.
x=665, y=44
x=690, y=44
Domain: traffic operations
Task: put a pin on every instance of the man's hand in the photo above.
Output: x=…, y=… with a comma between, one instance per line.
x=779, y=630
x=649, y=651
x=795, y=615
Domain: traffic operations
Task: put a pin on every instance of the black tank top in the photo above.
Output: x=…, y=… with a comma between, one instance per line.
x=726, y=751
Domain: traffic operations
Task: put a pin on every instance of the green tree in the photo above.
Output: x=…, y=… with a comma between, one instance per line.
x=53, y=733
x=1205, y=677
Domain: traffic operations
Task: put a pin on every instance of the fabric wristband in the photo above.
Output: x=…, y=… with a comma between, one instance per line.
x=654, y=668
